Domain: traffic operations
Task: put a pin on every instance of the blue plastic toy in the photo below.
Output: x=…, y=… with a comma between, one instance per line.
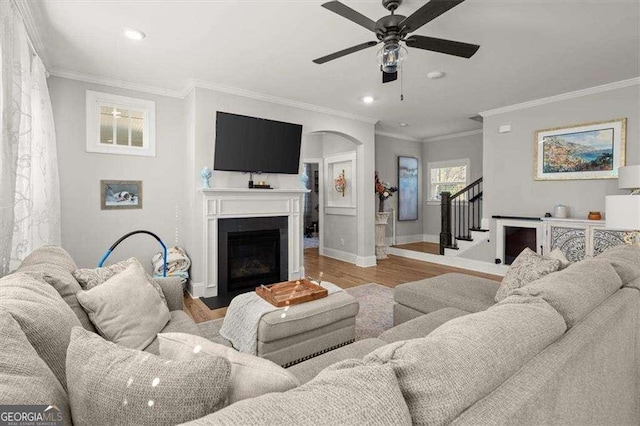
x=164, y=274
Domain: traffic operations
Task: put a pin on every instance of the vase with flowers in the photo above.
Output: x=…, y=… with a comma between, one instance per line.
x=383, y=190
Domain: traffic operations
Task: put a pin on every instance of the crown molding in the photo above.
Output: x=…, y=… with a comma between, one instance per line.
x=33, y=31
x=564, y=96
x=398, y=136
x=276, y=100
x=112, y=82
x=453, y=136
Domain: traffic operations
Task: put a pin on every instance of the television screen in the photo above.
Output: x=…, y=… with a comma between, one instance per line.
x=249, y=144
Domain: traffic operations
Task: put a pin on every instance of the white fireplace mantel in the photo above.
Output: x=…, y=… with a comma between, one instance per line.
x=223, y=203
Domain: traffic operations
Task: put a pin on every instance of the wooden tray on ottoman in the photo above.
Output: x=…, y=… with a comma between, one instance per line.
x=291, y=292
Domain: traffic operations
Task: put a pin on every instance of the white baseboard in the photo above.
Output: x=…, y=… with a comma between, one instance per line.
x=366, y=261
x=431, y=238
x=456, y=262
x=340, y=255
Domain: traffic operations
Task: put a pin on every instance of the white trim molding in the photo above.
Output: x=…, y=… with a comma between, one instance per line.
x=453, y=136
x=398, y=136
x=275, y=100
x=112, y=82
x=563, y=96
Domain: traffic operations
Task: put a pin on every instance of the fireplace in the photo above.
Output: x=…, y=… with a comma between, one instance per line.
x=251, y=252
x=514, y=234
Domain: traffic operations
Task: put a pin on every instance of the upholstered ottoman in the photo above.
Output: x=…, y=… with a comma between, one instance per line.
x=308, y=329
x=465, y=292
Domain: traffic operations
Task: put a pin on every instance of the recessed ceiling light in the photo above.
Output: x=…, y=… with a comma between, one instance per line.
x=367, y=99
x=403, y=124
x=434, y=75
x=133, y=34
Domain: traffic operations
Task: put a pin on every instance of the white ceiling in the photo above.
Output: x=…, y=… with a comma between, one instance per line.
x=530, y=49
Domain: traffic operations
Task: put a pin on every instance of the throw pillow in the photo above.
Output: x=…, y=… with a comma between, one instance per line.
x=558, y=254
x=348, y=393
x=43, y=316
x=90, y=278
x=109, y=384
x=251, y=376
x=54, y=266
x=528, y=267
x=126, y=309
x=25, y=379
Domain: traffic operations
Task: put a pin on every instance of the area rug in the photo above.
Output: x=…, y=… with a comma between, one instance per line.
x=376, y=309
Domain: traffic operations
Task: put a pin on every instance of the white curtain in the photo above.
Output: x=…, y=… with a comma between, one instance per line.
x=29, y=185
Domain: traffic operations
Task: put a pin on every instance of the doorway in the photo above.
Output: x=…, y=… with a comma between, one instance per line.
x=312, y=208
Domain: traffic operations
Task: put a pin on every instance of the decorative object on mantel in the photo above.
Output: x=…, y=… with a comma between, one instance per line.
x=382, y=249
x=304, y=179
x=594, y=216
x=383, y=190
x=560, y=211
x=582, y=151
x=205, y=173
x=623, y=211
x=340, y=183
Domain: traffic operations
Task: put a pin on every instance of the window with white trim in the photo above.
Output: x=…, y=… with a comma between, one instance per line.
x=120, y=125
x=450, y=176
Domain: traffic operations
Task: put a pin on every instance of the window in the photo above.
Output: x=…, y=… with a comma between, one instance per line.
x=450, y=176
x=120, y=125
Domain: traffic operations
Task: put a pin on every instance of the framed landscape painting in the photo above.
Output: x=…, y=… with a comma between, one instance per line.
x=583, y=151
x=407, y=188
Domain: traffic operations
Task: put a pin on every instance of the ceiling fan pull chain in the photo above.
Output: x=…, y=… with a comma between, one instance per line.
x=401, y=85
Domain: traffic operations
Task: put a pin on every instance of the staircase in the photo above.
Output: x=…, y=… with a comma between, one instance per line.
x=461, y=220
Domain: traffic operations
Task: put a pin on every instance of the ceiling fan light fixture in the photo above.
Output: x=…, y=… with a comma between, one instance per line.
x=391, y=55
x=368, y=99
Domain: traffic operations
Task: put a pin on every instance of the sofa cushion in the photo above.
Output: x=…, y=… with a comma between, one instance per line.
x=310, y=368
x=421, y=326
x=43, y=316
x=126, y=309
x=54, y=265
x=90, y=278
x=528, y=267
x=25, y=379
x=576, y=290
x=180, y=322
x=110, y=384
x=344, y=394
x=468, y=357
x=625, y=260
x=251, y=376
x=466, y=292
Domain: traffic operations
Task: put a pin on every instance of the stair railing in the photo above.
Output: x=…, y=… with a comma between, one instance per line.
x=461, y=213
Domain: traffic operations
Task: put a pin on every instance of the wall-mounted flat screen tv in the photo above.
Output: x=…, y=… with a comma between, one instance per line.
x=249, y=144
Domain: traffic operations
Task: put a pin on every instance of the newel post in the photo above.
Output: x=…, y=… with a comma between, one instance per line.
x=445, y=221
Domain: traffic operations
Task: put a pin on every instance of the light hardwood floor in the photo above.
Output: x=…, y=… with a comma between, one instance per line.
x=389, y=272
x=431, y=248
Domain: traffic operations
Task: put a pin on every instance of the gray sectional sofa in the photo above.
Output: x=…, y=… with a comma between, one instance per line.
x=562, y=350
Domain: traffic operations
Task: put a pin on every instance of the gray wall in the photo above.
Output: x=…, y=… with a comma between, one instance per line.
x=470, y=147
x=340, y=231
x=387, y=151
x=508, y=158
x=509, y=185
x=87, y=231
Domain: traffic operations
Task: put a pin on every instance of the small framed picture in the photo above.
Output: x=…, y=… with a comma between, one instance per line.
x=120, y=194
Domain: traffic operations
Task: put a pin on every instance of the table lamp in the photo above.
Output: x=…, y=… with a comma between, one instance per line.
x=623, y=211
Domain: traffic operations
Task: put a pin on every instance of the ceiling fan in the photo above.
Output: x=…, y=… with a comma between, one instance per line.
x=394, y=29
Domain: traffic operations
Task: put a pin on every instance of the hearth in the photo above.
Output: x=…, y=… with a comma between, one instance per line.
x=251, y=252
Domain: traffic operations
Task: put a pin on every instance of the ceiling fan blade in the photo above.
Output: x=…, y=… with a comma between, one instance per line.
x=352, y=15
x=345, y=52
x=388, y=77
x=449, y=47
x=427, y=13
